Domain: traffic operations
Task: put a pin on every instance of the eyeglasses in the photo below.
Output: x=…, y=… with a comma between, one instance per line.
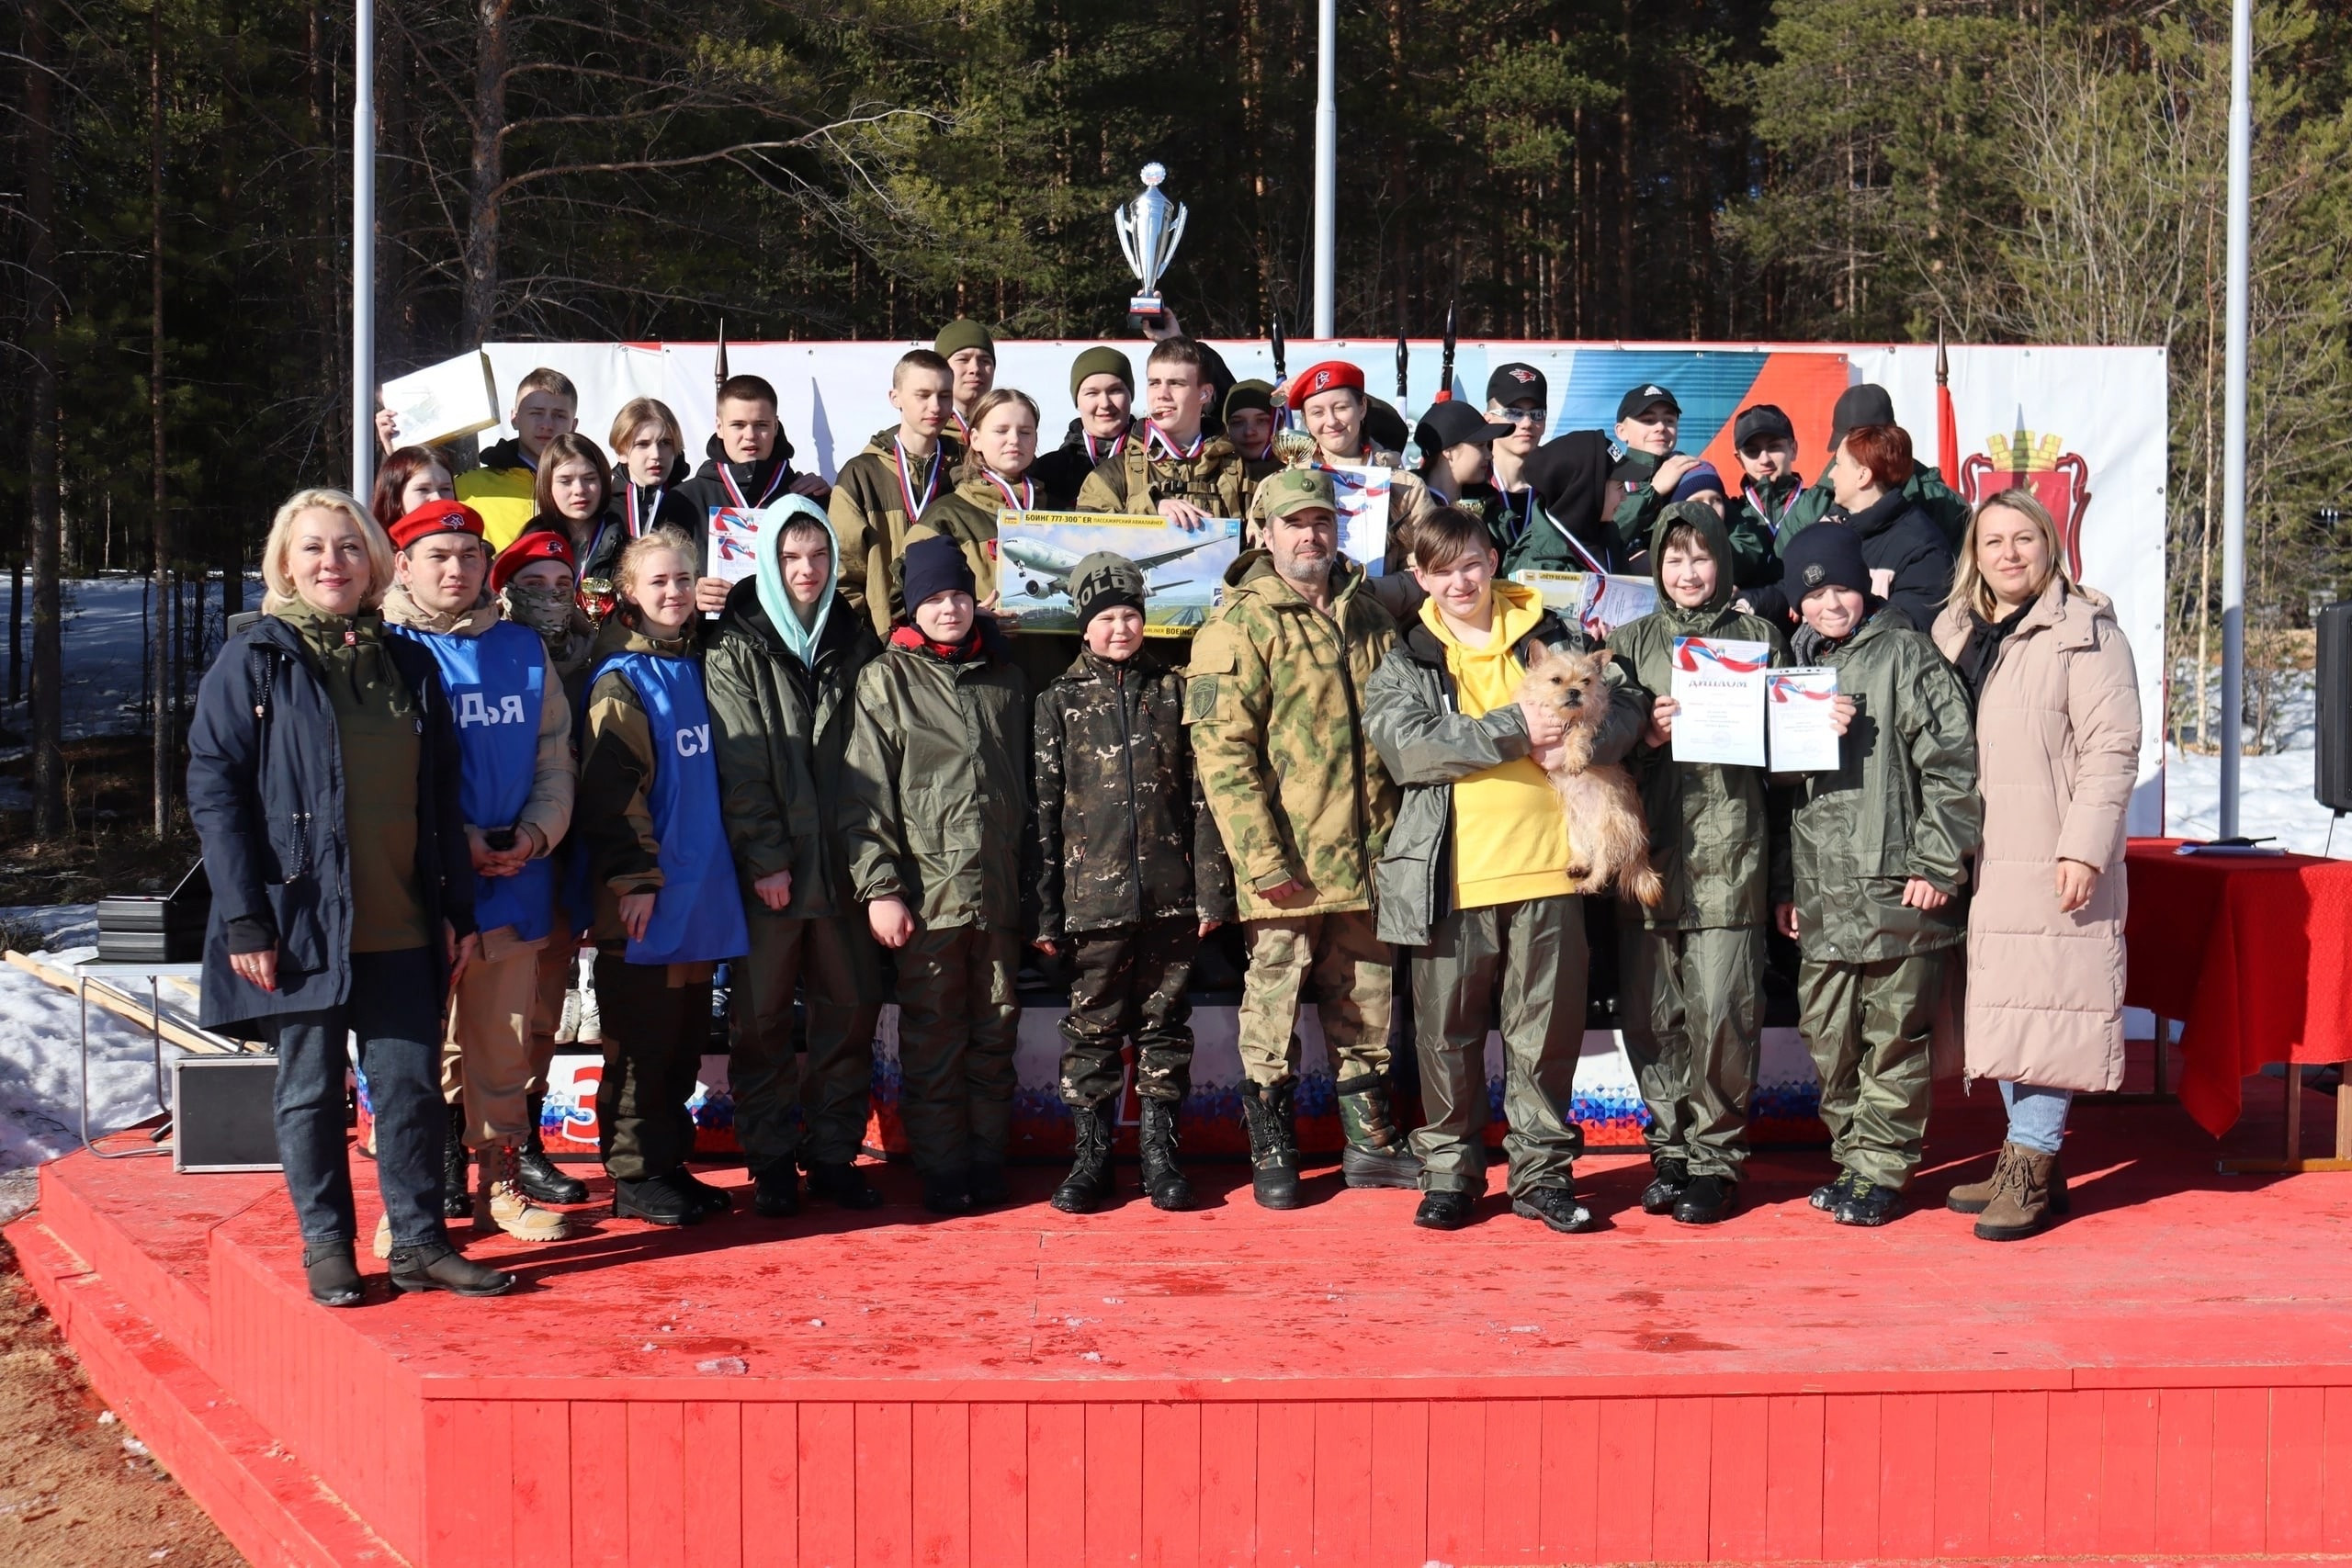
x=1519, y=413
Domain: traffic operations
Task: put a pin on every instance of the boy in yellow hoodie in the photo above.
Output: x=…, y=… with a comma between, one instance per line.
x=1474, y=877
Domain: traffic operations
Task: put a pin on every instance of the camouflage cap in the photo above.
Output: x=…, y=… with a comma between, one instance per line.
x=1299, y=489
x=1103, y=580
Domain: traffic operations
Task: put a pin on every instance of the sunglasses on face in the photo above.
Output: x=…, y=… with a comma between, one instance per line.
x=1518, y=413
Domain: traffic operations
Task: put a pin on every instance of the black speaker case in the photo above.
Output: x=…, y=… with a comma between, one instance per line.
x=223, y=1115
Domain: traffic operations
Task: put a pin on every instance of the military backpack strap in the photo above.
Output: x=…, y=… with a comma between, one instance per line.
x=1138, y=472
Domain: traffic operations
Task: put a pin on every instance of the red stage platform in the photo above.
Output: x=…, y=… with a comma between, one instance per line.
x=2169, y=1373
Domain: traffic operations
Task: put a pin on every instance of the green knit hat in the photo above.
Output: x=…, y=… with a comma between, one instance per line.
x=1102, y=361
x=1249, y=395
x=961, y=333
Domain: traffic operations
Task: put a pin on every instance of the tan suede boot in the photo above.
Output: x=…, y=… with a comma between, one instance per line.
x=1970, y=1198
x=2020, y=1203
x=502, y=1203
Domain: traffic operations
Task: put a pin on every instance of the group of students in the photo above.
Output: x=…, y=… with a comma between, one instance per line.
x=500, y=713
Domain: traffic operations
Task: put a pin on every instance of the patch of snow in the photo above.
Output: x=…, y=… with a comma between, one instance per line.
x=40, y=1073
x=2274, y=801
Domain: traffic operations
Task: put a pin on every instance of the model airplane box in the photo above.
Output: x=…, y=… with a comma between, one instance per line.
x=1183, y=568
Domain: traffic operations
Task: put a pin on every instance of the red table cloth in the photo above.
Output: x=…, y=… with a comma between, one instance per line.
x=2253, y=953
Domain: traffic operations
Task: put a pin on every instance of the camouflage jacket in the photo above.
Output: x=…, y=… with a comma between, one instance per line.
x=1410, y=501
x=1274, y=702
x=1137, y=480
x=1122, y=836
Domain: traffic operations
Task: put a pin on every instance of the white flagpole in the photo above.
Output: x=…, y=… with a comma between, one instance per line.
x=2234, y=438
x=362, y=248
x=1327, y=169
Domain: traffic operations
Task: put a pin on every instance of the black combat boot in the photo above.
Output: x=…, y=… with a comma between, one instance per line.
x=710, y=1200
x=1664, y=1189
x=1088, y=1185
x=1442, y=1211
x=538, y=1176
x=1709, y=1199
x=986, y=1186
x=657, y=1199
x=1156, y=1141
x=948, y=1191
x=457, y=1164
x=775, y=1191
x=1376, y=1155
x=437, y=1265
x=841, y=1183
x=1274, y=1143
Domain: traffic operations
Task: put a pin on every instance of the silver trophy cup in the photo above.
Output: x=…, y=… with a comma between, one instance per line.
x=1149, y=229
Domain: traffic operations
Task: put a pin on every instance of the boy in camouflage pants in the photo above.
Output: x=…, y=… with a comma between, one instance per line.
x=1131, y=878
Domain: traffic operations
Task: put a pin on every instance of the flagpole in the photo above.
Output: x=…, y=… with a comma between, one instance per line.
x=1327, y=169
x=2233, y=426
x=363, y=248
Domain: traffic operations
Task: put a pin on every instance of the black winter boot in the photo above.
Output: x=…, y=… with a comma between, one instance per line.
x=457, y=1163
x=1376, y=1155
x=710, y=1200
x=1709, y=1199
x=334, y=1271
x=986, y=1186
x=1665, y=1188
x=775, y=1191
x=539, y=1178
x=440, y=1267
x=843, y=1184
x=1156, y=1141
x=948, y=1191
x=1088, y=1185
x=1274, y=1143
x=657, y=1199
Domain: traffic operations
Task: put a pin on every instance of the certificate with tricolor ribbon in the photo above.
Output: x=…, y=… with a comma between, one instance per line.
x=1797, y=708
x=1718, y=689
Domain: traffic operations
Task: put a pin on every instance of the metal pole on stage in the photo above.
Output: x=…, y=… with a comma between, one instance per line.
x=2234, y=438
x=363, y=248
x=1327, y=169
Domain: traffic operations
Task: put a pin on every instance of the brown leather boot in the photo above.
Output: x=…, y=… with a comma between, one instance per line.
x=1970, y=1198
x=2020, y=1202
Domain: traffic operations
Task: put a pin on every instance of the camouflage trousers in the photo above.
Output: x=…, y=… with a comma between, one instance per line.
x=1341, y=964
x=1869, y=1027
x=1128, y=983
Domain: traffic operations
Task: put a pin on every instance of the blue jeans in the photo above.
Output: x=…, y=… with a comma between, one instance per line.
x=2037, y=1116
x=393, y=1006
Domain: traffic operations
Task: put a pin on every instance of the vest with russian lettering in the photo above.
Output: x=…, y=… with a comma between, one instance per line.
x=497, y=683
x=698, y=913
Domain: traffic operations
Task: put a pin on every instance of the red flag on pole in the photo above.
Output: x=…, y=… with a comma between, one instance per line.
x=1946, y=422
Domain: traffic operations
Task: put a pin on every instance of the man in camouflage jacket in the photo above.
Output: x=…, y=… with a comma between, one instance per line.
x=1303, y=804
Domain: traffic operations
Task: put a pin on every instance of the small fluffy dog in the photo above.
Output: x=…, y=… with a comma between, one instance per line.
x=1609, y=840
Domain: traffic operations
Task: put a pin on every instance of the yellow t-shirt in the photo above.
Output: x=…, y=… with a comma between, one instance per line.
x=1510, y=843
x=504, y=497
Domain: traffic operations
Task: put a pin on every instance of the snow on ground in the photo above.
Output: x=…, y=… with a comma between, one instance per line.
x=41, y=1070
x=2274, y=801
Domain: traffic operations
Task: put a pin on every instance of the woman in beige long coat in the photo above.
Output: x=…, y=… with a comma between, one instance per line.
x=2057, y=751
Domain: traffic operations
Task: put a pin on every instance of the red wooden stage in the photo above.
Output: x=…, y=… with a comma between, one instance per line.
x=2169, y=1373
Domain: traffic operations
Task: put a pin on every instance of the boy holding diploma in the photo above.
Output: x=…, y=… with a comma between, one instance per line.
x=1693, y=966
x=1878, y=847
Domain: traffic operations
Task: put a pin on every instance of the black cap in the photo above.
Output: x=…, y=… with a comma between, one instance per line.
x=1383, y=426
x=1452, y=422
x=1643, y=396
x=931, y=566
x=1762, y=420
x=1865, y=402
x=1826, y=555
x=1510, y=383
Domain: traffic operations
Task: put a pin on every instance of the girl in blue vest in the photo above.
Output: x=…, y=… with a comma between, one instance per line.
x=662, y=880
x=514, y=747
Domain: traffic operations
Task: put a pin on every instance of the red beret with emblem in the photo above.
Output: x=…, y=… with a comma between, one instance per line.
x=435, y=517
x=1328, y=377
x=532, y=545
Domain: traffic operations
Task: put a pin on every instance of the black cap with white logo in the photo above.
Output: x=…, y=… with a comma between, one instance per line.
x=1644, y=395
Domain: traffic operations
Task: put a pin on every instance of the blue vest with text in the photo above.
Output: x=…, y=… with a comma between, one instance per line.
x=698, y=914
x=497, y=683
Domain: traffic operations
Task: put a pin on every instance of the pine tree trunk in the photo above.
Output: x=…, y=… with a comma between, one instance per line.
x=481, y=294
x=164, y=713
x=41, y=457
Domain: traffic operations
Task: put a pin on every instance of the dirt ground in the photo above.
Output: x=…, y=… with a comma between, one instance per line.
x=77, y=1488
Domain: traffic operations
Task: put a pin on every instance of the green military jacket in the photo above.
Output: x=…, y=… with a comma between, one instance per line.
x=1275, y=702
x=780, y=734
x=1427, y=746
x=1756, y=537
x=937, y=784
x=1902, y=804
x=1122, y=835
x=868, y=511
x=1925, y=487
x=1710, y=829
x=1137, y=480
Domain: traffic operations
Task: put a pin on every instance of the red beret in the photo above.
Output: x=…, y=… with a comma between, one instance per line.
x=435, y=518
x=1330, y=375
x=531, y=545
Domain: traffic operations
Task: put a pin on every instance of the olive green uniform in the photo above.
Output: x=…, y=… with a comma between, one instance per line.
x=1902, y=804
x=1692, y=970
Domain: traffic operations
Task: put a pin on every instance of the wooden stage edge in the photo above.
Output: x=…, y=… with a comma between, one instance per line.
x=2166, y=1376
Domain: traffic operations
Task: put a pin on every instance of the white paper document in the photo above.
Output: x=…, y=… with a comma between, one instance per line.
x=1719, y=687
x=1797, y=708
